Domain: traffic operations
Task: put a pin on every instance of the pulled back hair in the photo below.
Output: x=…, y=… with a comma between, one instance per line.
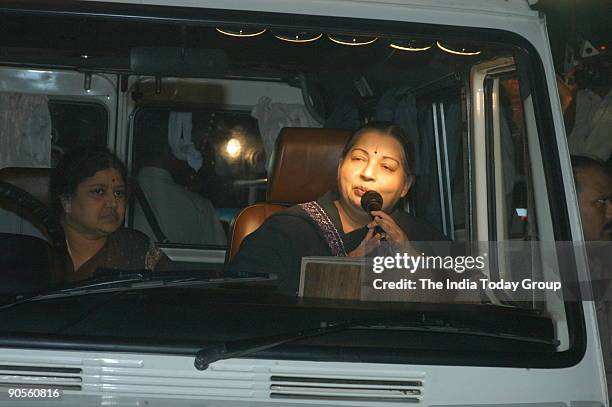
x=389, y=129
x=580, y=162
x=76, y=166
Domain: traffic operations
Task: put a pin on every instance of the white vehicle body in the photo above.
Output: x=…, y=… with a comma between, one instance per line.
x=125, y=378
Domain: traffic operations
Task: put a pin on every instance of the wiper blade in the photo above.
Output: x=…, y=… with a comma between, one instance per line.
x=138, y=280
x=245, y=347
x=101, y=280
x=111, y=278
x=104, y=278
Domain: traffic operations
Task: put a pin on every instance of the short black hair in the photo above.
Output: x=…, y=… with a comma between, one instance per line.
x=390, y=129
x=580, y=162
x=74, y=167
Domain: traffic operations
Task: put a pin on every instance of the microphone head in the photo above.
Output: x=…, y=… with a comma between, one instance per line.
x=371, y=201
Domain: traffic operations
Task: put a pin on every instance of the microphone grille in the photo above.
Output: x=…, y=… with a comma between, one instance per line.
x=371, y=201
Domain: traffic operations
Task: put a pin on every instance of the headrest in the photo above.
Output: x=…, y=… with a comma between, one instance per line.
x=305, y=164
x=32, y=180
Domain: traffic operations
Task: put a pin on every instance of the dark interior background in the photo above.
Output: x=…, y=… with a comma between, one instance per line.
x=592, y=19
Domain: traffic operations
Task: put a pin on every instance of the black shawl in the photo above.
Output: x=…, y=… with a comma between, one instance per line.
x=278, y=246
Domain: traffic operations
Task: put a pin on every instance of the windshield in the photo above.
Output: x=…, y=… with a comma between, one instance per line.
x=223, y=182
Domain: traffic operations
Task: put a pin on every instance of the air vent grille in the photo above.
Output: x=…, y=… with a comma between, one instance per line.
x=40, y=377
x=348, y=389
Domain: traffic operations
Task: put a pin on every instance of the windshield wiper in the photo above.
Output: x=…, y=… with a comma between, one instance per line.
x=106, y=280
x=245, y=347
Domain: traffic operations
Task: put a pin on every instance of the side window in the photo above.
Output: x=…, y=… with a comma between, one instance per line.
x=514, y=215
x=509, y=191
x=76, y=124
x=510, y=168
x=72, y=124
x=37, y=119
x=515, y=162
x=518, y=207
x=223, y=171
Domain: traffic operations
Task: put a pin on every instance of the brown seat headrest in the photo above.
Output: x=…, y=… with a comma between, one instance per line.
x=248, y=221
x=32, y=180
x=305, y=164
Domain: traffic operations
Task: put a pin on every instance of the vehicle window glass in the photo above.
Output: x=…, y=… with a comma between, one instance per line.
x=515, y=164
x=515, y=196
x=522, y=244
x=73, y=124
x=76, y=124
x=230, y=174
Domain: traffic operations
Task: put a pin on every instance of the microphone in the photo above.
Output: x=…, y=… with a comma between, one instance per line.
x=372, y=201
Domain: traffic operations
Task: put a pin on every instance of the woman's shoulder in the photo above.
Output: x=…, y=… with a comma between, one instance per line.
x=292, y=217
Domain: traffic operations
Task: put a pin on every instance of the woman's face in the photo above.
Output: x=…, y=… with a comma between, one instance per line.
x=375, y=162
x=98, y=206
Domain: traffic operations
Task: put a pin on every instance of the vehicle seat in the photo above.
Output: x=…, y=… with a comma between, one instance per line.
x=304, y=167
x=13, y=218
x=30, y=264
x=35, y=181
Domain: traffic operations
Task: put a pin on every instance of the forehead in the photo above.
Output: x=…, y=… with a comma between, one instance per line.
x=594, y=180
x=382, y=144
x=107, y=176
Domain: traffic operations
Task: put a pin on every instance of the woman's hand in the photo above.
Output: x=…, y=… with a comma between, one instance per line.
x=370, y=242
x=393, y=233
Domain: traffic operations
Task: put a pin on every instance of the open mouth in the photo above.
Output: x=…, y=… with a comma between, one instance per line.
x=359, y=191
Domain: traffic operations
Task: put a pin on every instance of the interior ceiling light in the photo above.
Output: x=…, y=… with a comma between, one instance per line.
x=352, y=40
x=242, y=32
x=301, y=36
x=411, y=45
x=463, y=51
